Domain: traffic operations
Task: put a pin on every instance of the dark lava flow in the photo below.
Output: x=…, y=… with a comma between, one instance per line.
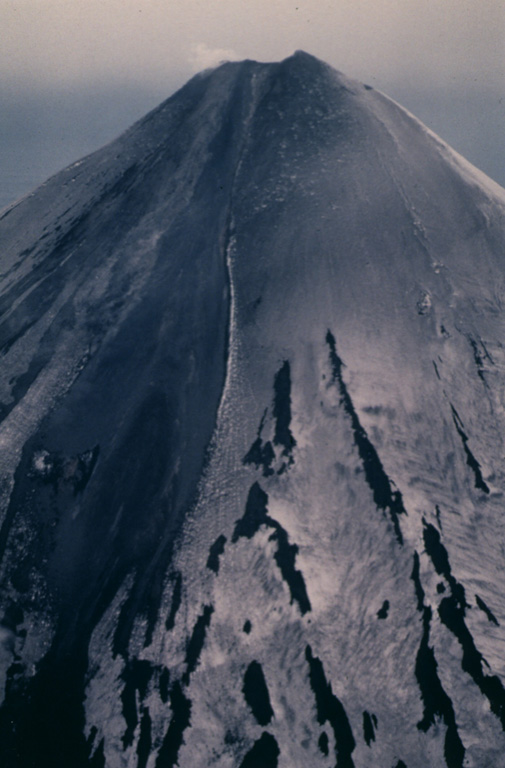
x=331, y=711
x=256, y=693
x=254, y=517
x=470, y=458
x=369, y=725
x=215, y=553
x=452, y=613
x=263, y=754
x=380, y=484
x=436, y=702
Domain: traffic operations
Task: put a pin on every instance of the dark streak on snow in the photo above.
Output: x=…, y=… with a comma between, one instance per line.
x=323, y=744
x=435, y=700
x=285, y=558
x=255, y=514
x=368, y=727
x=482, y=605
x=330, y=709
x=479, y=362
x=215, y=552
x=145, y=739
x=136, y=676
x=470, y=458
x=452, y=615
x=154, y=601
x=254, y=517
x=263, y=754
x=261, y=454
x=380, y=484
x=196, y=642
x=164, y=683
x=256, y=694
x=440, y=559
x=179, y=703
x=176, y=602
x=282, y=410
x=98, y=759
x=181, y=714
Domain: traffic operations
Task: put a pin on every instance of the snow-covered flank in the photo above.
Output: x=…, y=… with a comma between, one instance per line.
x=260, y=522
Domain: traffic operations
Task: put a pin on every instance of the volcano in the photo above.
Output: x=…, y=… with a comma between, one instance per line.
x=252, y=402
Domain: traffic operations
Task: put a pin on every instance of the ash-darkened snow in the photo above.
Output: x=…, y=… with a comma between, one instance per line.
x=252, y=465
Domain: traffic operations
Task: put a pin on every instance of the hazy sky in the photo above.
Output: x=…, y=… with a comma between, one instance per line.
x=82, y=41
x=447, y=56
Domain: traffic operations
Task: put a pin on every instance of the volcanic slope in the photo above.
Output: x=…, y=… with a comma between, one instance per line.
x=252, y=398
